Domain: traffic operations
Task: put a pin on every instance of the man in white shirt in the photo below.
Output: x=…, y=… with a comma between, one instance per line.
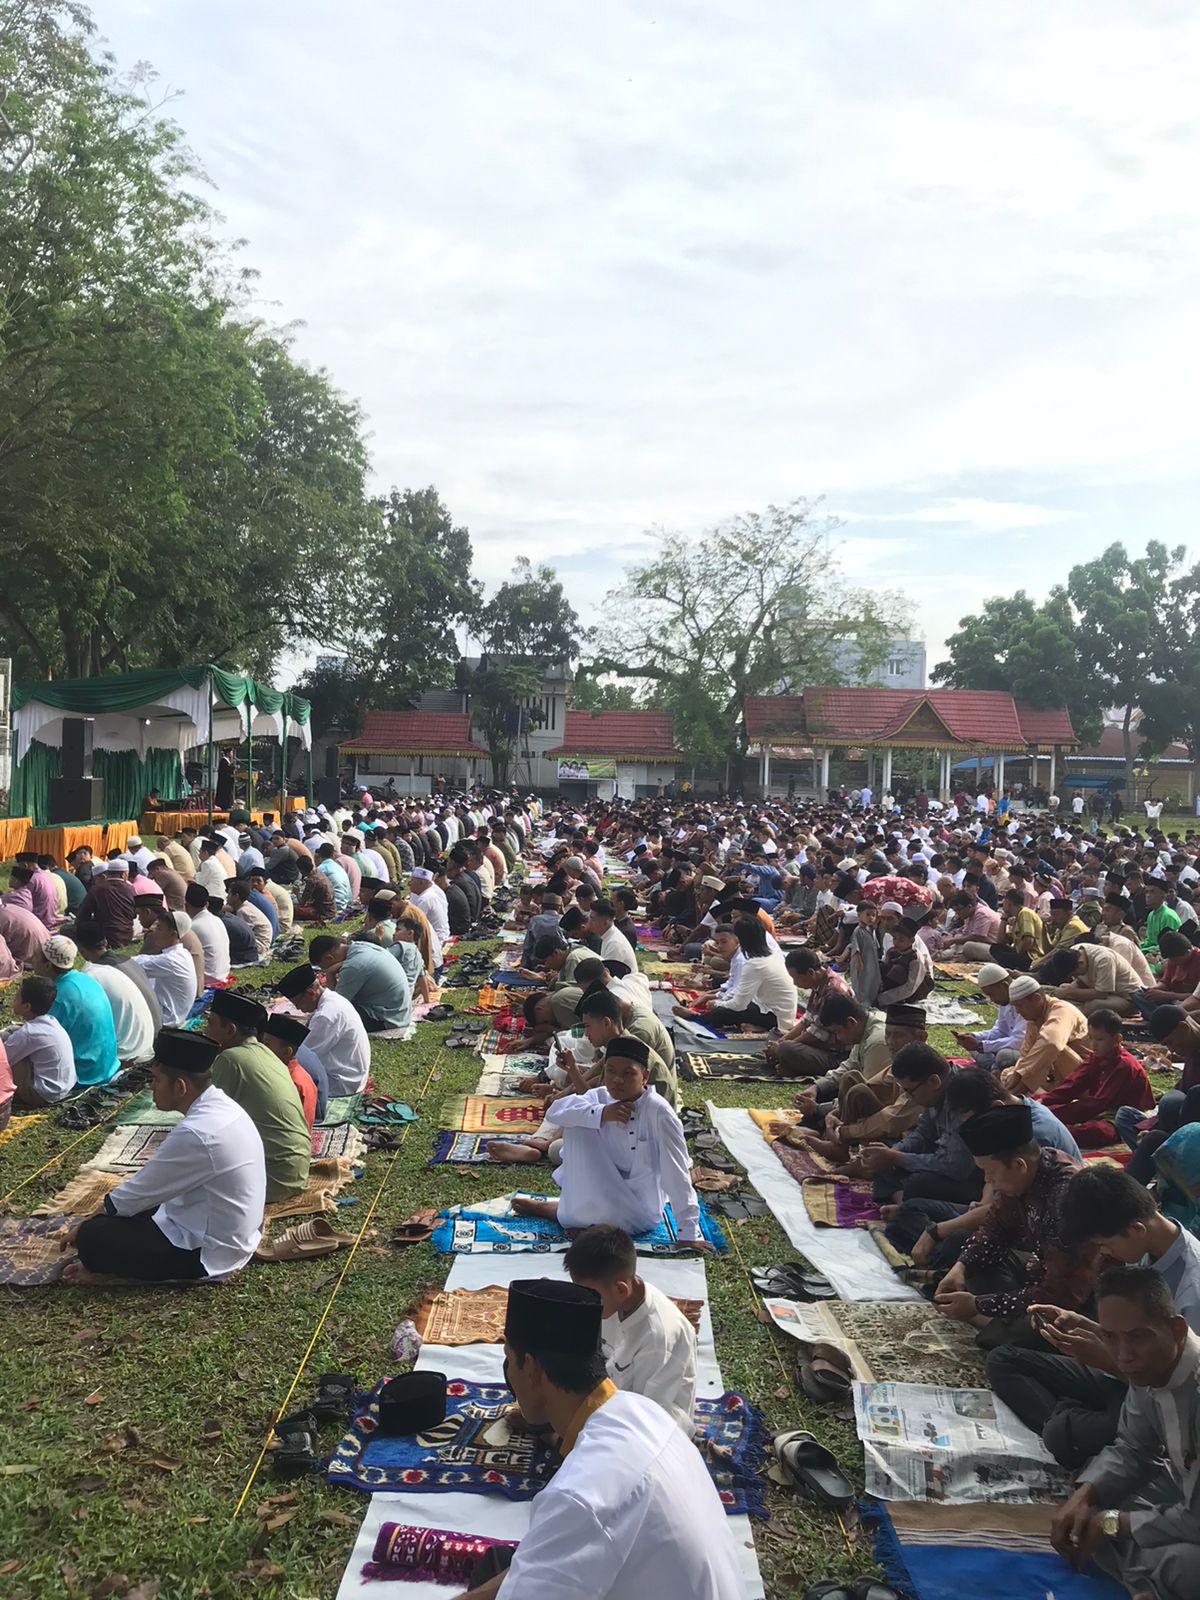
x=136, y=852
x=615, y=949
x=211, y=933
x=133, y=1021
x=649, y=1345
x=632, y=1513
x=170, y=971
x=336, y=1035
x=195, y=1209
x=432, y=901
x=210, y=873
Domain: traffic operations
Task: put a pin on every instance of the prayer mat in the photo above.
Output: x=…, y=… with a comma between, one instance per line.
x=340, y=1108
x=907, y=1341
x=946, y=1568
x=17, y=1124
x=493, y=1228
x=479, y=1113
x=141, y=1112
x=1108, y=1155
x=839, y=1203
x=945, y=1011
x=902, y=1265
x=30, y=1250
x=126, y=1149
x=462, y=1149
x=462, y=1316
x=342, y=1140
x=84, y=1195
x=502, y=1074
x=325, y=1179
x=764, y=1119
x=693, y=1064
x=957, y=969
x=801, y=1163
x=474, y=1451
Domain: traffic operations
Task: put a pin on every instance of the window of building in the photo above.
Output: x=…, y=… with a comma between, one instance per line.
x=364, y=763
x=896, y=667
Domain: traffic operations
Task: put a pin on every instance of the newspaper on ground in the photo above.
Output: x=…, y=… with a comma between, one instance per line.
x=922, y=1442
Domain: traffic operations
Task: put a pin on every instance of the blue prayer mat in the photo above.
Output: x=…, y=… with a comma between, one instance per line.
x=475, y=1452
x=480, y=1230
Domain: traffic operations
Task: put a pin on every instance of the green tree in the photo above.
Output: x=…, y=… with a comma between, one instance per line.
x=527, y=626
x=1027, y=650
x=596, y=694
x=755, y=605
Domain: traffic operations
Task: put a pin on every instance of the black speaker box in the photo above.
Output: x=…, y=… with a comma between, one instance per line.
x=328, y=793
x=75, y=800
x=77, y=747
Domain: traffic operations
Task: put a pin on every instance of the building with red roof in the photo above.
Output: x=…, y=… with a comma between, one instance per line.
x=634, y=750
x=414, y=747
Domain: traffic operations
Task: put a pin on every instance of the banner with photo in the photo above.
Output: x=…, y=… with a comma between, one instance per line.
x=583, y=771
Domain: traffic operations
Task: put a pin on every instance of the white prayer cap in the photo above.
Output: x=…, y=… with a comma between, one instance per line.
x=134, y=841
x=422, y=873
x=183, y=923
x=1021, y=988
x=991, y=972
x=893, y=905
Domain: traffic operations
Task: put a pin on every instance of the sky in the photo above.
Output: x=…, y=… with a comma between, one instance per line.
x=592, y=269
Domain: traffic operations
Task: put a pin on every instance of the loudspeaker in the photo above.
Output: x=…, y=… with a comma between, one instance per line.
x=332, y=756
x=328, y=793
x=77, y=747
x=75, y=800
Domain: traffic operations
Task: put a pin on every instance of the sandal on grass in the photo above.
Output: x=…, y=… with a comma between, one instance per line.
x=792, y=1282
x=296, y=1456
x=415, y=1229
x=826, y=1376
x=808, y=1466
x=333, y=1396
x=312, y=1237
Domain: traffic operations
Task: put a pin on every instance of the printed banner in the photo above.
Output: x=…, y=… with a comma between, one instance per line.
x=581, y=771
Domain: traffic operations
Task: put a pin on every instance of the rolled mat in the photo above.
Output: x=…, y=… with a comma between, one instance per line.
x=432, y=1554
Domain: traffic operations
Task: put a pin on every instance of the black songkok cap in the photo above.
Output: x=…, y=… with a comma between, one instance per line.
x=296, y=982
x=181, y=1051
x=238, y=1008
x=905, y=1016
x=998, y=1132
x=628, y=1048
x=547, y=1314
x=290, y=1029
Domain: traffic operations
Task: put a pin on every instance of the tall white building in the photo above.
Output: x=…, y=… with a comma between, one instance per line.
x=902, y=666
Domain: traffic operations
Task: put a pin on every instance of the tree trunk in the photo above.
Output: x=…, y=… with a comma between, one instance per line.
x=1127, y=742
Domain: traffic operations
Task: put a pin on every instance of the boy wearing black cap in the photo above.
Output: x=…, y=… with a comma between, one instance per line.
x=624, y=1157
x=253, y=1076
x=195, y=1209
x=1027, y=1183
x=632, y=1511
x=282, y=1034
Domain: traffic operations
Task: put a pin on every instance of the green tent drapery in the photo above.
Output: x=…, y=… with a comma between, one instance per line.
x=126, y=777
x=127, y=691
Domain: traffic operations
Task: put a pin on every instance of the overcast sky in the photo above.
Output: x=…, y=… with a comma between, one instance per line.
x=593, y=267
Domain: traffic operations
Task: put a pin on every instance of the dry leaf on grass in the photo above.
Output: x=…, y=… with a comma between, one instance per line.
x=338, y=1517
x=30, y=1403
x=94, y=1398
x=110, y=1585
x=144, y=1591
x=8, y=1567
x=165, y=1463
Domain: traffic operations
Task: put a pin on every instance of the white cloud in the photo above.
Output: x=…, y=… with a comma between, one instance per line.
x=988, y=516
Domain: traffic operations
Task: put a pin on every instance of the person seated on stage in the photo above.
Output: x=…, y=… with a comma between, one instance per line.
x=649, y=1345
x=283, y=1035
x=632, y=1511
x=38, y=1047
x=195, y=1210
x=1001, y=1044
x=336, y=1036
x=363, y=972
x=934, y=1231
x=82, y=1007
x=931, y=1161
x=255, y=1077
x=624, y=1157
x=984, y=1288
x=1136, y=1512
x=1093, y=978
x=1053, y=1046
x=1073, y=1396
x=243, y=951
x=170, y=970
x=211, y=934
x=1109, y=1078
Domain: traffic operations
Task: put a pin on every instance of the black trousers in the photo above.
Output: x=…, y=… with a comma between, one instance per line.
x=1075, y=1408
x=925, y=1186
x=725, y=1017
x=135, y=1247
x=1175, y=1110
x=914, y=1217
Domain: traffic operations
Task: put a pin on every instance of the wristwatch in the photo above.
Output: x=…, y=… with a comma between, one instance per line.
x=1110, y=1524
x=932, y=1231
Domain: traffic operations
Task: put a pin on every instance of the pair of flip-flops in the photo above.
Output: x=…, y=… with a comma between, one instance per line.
x=296, y=1455
x=852, y=1589
x=438, y=1014
x=693, y=1121
x=792, y=1282
x=826, y=1375
x=740, y=1204
x=415, y=1229
x=807, y=1465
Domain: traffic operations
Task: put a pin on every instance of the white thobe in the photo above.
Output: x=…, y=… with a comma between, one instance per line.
x=432, y=902
x=133, y=1021
x=171, y=973
x=206, y=1184
x=631, y=1513
x=624, y=1172
x=214, y=942
x=652, y=1351
x=340, y=1043
x=615, y=946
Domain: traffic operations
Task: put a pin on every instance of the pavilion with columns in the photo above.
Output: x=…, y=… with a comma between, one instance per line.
x=952, y=724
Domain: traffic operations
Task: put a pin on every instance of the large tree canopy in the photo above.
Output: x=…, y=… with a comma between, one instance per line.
x=756, y=605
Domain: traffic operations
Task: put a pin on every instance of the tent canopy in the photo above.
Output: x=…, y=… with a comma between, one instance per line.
x=171, y=708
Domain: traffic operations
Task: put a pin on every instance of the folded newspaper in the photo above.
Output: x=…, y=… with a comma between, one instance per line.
x=952, y=1445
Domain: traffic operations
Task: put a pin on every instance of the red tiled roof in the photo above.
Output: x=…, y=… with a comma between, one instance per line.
x=637, y=735
x=986, y=718
x=402, y=733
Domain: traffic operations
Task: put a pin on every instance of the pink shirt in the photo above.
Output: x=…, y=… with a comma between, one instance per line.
x=22, y=932
x=7, y=1086
x=45, y=901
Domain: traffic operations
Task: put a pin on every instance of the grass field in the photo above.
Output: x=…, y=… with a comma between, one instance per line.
x=133, y=1417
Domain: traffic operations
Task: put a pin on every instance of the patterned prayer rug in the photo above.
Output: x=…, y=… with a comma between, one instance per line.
x=801, y=1163
x=907, y=1341
x=476, y=1316
x=839, y=1203
x=126, y=1149
x=479, y=1113
x=474, y=1451
x=325, y=1179
x=748, y=1068
x=463, y=1149
x=501, y=1075
x=493, y=1228
x=342, y=1140
x=84, y=1195
x=30, y=1250
x=340, y=1108
x=141, y=1112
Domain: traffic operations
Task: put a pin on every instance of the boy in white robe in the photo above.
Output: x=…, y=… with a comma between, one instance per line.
x=624, y=1156
x=649, y=1345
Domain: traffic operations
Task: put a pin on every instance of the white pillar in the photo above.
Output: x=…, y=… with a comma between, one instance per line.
x=1053, y=767
x=824, y=770
x=944, y=784
x=998, y=758
x=885, y=782
x=766, y=768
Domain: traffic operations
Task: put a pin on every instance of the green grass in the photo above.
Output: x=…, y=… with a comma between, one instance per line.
x=142, y=1411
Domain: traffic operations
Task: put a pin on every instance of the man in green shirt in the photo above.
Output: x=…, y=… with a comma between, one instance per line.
x=260, y=1083
x=1158, y=917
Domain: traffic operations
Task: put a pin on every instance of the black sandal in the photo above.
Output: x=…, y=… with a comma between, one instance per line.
x=297, y=1453
x=333, y=1396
